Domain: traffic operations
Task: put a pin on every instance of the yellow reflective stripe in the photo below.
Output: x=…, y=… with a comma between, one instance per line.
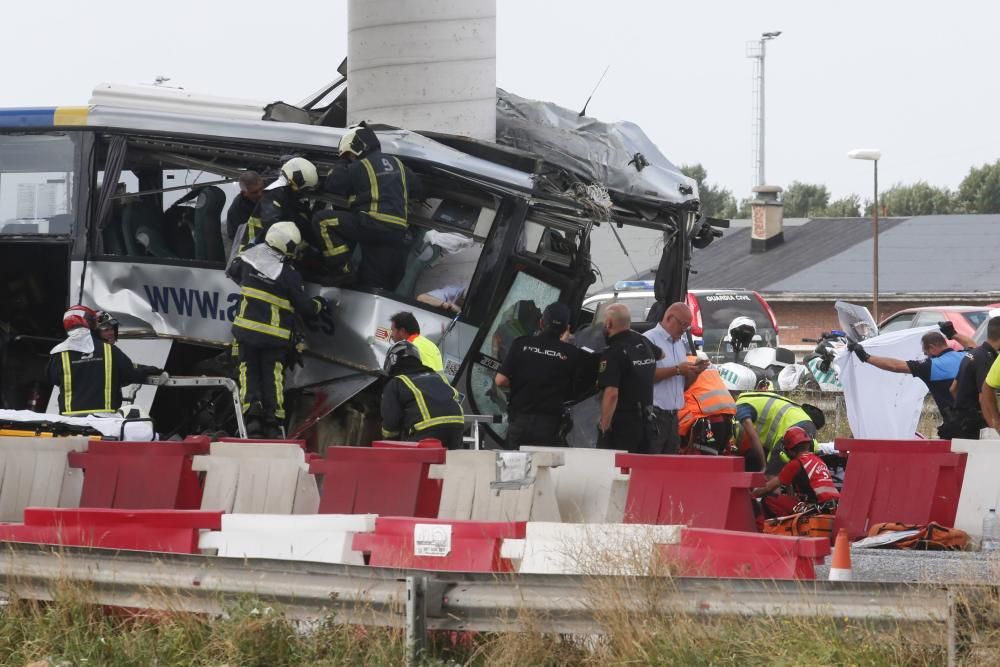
x=373, y=183
x=67, y=388
x=266, y=297
x=107, y=377
x=275, y=316
x=391, y=219
x=438, y=421
x=262, y=328
x=389, y=434
x=406, y=192
x=243, y=386
x=279, y=390
x=70, y=116
x=330, y=249
x=418, y=395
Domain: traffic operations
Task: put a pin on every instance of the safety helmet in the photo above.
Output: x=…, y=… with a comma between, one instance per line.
x=79, y=316
x=398, y=351
x=106, y=320
x=359, y=140
x=300, y=173
x=794, y=437
x=284, y=237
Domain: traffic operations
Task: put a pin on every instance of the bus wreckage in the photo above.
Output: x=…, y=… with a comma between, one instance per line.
x=510, y=222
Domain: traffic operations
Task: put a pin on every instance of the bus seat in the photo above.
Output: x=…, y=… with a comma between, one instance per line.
x=136, y=213
x=208, y=224
x=178, y=231
x=111, y=236
x=422, y=255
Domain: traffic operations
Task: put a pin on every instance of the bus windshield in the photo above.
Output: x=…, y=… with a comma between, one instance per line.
x=36, y=183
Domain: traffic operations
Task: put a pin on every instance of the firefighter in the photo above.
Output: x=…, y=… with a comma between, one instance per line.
x=272, y=293
x=89, y=371
x=762, y=419
x=282, y=201
x=418, y=403
x=107, y=327
x=805, y=473
x=706, y=399
x=377, y=187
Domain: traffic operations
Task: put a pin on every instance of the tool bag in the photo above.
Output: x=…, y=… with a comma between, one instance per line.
x=931, y=537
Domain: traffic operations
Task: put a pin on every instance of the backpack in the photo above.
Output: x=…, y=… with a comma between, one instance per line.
x=932, y=536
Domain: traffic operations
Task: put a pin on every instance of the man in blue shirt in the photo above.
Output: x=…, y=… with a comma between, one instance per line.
x=937, y=371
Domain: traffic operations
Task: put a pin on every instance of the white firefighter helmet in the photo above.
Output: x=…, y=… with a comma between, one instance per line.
x=284, y=237
x=300, y=173
x=359, y=140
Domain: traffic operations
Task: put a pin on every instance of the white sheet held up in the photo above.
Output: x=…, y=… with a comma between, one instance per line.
x=881, y=404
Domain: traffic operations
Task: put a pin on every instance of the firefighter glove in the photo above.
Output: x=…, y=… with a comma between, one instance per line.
x=948, y=329
x=858, y=351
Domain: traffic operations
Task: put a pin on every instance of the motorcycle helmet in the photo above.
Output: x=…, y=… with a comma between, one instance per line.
x=741, y=332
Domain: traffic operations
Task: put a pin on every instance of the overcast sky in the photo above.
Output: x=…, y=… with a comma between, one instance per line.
x=916, y=79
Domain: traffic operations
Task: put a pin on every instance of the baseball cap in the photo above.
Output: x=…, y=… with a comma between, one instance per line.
x=556, y=315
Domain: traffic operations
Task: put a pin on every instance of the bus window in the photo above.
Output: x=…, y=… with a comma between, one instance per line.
x=36, y=183
x=518, y=316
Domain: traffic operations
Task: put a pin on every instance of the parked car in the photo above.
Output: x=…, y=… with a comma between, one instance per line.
x=712, y=310
x=966, y=319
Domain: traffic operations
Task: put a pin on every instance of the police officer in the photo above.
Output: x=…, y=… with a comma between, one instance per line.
x=89, y=371
x=972, y=372
x=418, y=403
x=543, y=373
x=626, y=376
x=377, y=187
x=282, y=201
x=272, y=292
x=762, y=419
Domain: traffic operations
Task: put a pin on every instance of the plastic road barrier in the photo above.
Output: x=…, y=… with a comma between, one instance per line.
x=258, y=478
x=589, y=489
x=703, y=552
x=321, y=538
x=36, y=471
x=980, y=485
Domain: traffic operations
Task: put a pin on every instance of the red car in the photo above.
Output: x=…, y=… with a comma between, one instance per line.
x=965, y=318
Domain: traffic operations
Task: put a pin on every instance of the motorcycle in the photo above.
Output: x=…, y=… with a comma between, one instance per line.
x=760, y=367
x=816, y=372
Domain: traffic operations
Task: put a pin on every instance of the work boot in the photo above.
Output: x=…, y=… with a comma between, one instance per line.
x=272, y=430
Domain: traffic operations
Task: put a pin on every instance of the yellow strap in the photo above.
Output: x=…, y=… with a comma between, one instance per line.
x=261, y=295
x=279, y=390
x=243, y=386
x=67, y=388
x=107, y=377
x=418, y=395
x=262, y=328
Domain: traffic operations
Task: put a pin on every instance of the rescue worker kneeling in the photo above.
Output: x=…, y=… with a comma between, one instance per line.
x=705, y=422
x=89, y=370
x=806, y=474
x=272, y=292
x=418, y=403
x=377, y=188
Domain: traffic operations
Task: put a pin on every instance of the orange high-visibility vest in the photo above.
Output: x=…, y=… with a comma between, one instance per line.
x=706, y=396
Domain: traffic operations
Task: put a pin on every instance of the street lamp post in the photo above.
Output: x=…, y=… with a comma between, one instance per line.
x=874, y=155
x=758, y=50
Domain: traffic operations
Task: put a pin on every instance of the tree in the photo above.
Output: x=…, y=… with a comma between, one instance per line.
x=918, y=199
x=845, y=207
x=803, y=200
x=716, y=201
x=979, y=192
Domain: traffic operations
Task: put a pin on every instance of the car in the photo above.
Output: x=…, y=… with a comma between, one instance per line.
x=712, y=309
x=980, y=335
x=966, y=319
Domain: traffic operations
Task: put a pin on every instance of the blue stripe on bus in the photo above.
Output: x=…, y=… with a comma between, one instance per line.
x=27, y=117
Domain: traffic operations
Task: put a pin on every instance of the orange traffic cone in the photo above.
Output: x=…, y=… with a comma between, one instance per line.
x=840, y=568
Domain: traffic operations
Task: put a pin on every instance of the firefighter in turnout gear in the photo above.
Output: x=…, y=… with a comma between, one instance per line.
x=762, y=419
x=272, y=293
x=282, y=201
x=89, y=371
x=377, y=188
x=418, y=403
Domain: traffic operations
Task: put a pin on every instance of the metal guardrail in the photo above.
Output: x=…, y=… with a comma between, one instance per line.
x=420, y=600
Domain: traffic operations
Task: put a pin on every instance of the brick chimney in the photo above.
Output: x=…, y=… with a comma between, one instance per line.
x=767, y=219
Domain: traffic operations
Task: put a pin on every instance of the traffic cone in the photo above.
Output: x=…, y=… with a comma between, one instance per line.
x=840, y=568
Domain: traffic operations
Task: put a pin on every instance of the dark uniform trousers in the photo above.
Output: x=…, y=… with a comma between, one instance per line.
x=383, y=247
x=665, y=440
x=628, y=432
x=262, y=380
x=529, y=429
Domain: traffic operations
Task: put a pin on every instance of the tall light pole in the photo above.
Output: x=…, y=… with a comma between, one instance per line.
x=757, y=50
x=874, y=155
